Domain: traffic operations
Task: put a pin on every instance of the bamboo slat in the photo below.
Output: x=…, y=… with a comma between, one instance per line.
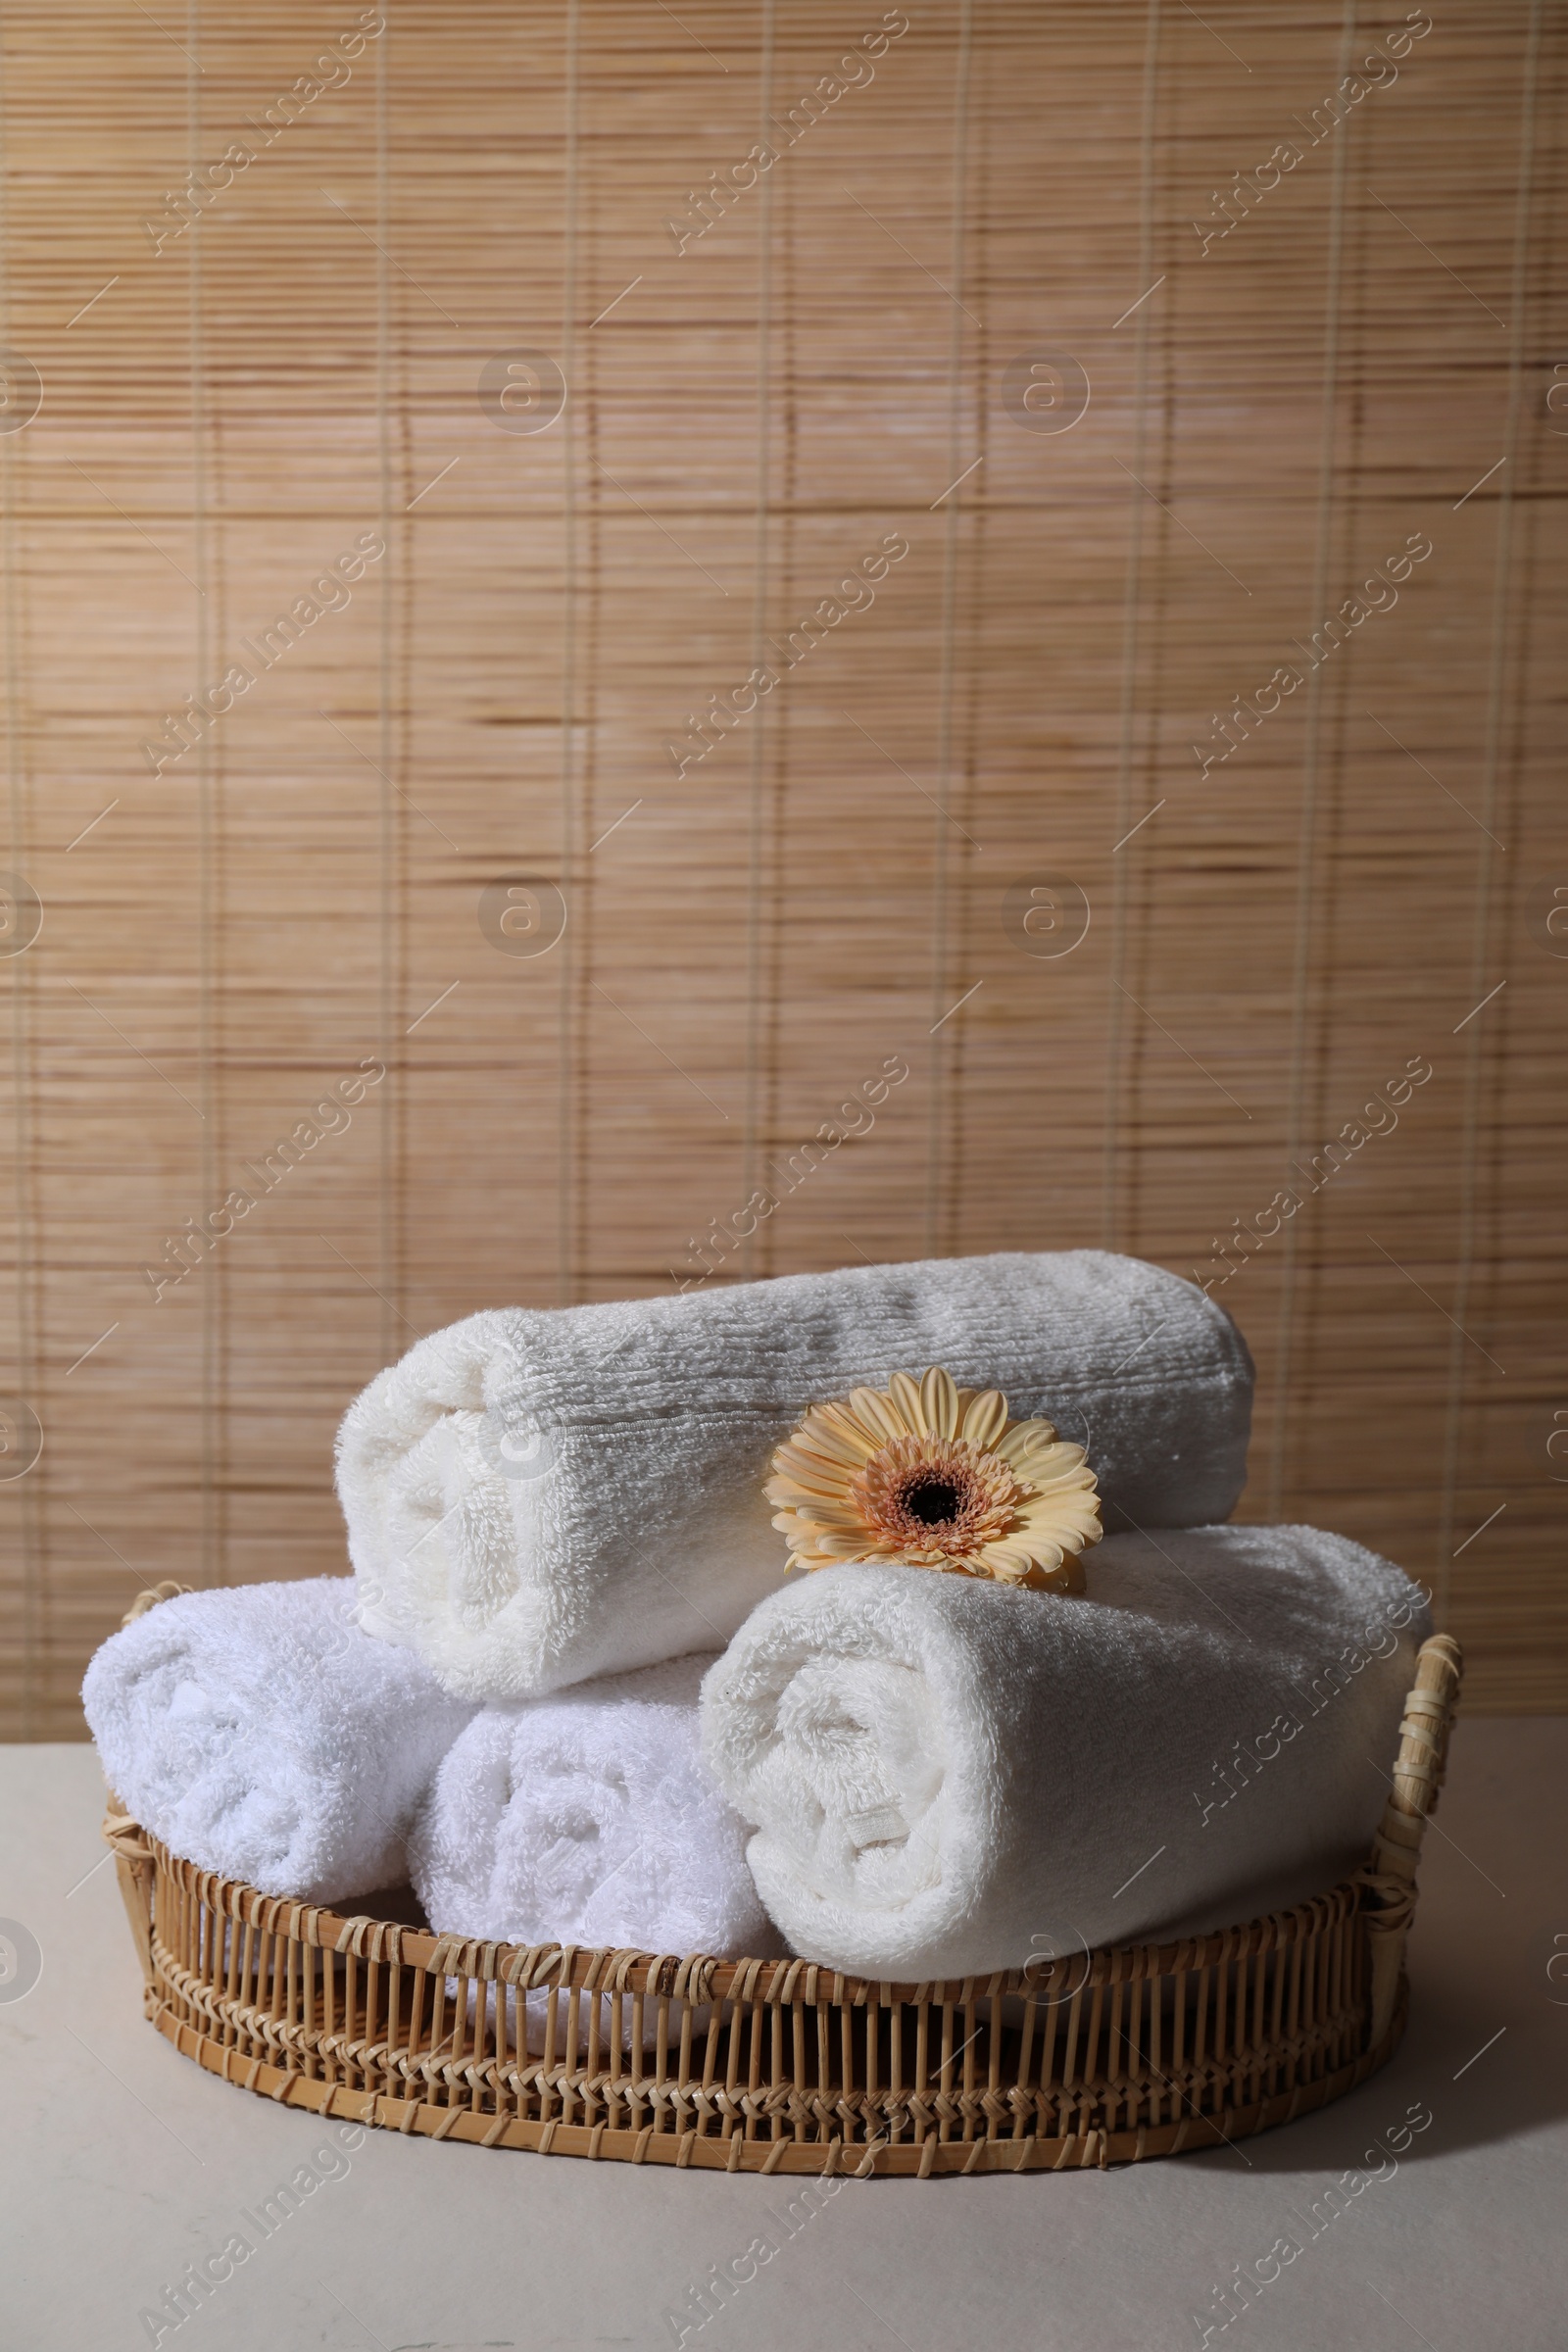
x=1028, y=811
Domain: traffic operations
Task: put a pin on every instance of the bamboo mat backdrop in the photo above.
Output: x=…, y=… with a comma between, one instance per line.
x=1141, y=427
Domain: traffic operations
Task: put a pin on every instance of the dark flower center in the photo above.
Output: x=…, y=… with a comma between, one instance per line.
x=934, y=1502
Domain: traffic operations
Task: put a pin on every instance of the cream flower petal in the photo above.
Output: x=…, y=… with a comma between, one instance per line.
x=806, y=1559
x=1046, y=1490
x=1060, y=1503
x=1046, y=1458
x=834, y=1519
x=791, y=1495
x=792, y=1484
x=905, y=1399
x=1057, y=1502
x=878, y=1412
x=807, y=1470
x=1016, y=1444
x=813, y=1445
x=847, y=1427
x=985, y=1417
x=828, y=1434
x=938, y=1403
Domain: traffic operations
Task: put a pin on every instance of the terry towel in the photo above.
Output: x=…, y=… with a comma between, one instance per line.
x=535, y=1497
x=952, y=1776
x=590, y=1818
x=258, y=1731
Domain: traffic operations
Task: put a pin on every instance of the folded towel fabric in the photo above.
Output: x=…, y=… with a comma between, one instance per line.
x=535, y=1498
x=258, y=1731
x=590, y=1818
x=951, y=1775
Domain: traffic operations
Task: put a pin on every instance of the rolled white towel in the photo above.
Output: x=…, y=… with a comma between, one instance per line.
x=590, y=1818
x=259, y=1731
x=952, y=1775
x=535, y=1498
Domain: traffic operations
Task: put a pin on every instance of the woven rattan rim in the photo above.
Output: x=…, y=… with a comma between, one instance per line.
x=780, y=2065
x=685, y=2144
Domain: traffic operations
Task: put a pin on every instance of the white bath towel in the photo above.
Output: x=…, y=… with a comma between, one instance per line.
x=257, y=1730
x=590, y=1818
x=952, y=1776
x=535, y=1498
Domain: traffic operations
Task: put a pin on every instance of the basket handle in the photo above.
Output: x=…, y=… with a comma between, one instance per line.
x=1389, y=1879
x=169, y=1589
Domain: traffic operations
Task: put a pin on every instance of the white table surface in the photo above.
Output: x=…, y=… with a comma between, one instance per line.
x=123, y=2162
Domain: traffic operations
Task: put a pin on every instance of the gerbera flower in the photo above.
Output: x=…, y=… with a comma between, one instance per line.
x=936, y=1476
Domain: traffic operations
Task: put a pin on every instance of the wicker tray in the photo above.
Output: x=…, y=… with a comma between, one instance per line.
x=780, y=2065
